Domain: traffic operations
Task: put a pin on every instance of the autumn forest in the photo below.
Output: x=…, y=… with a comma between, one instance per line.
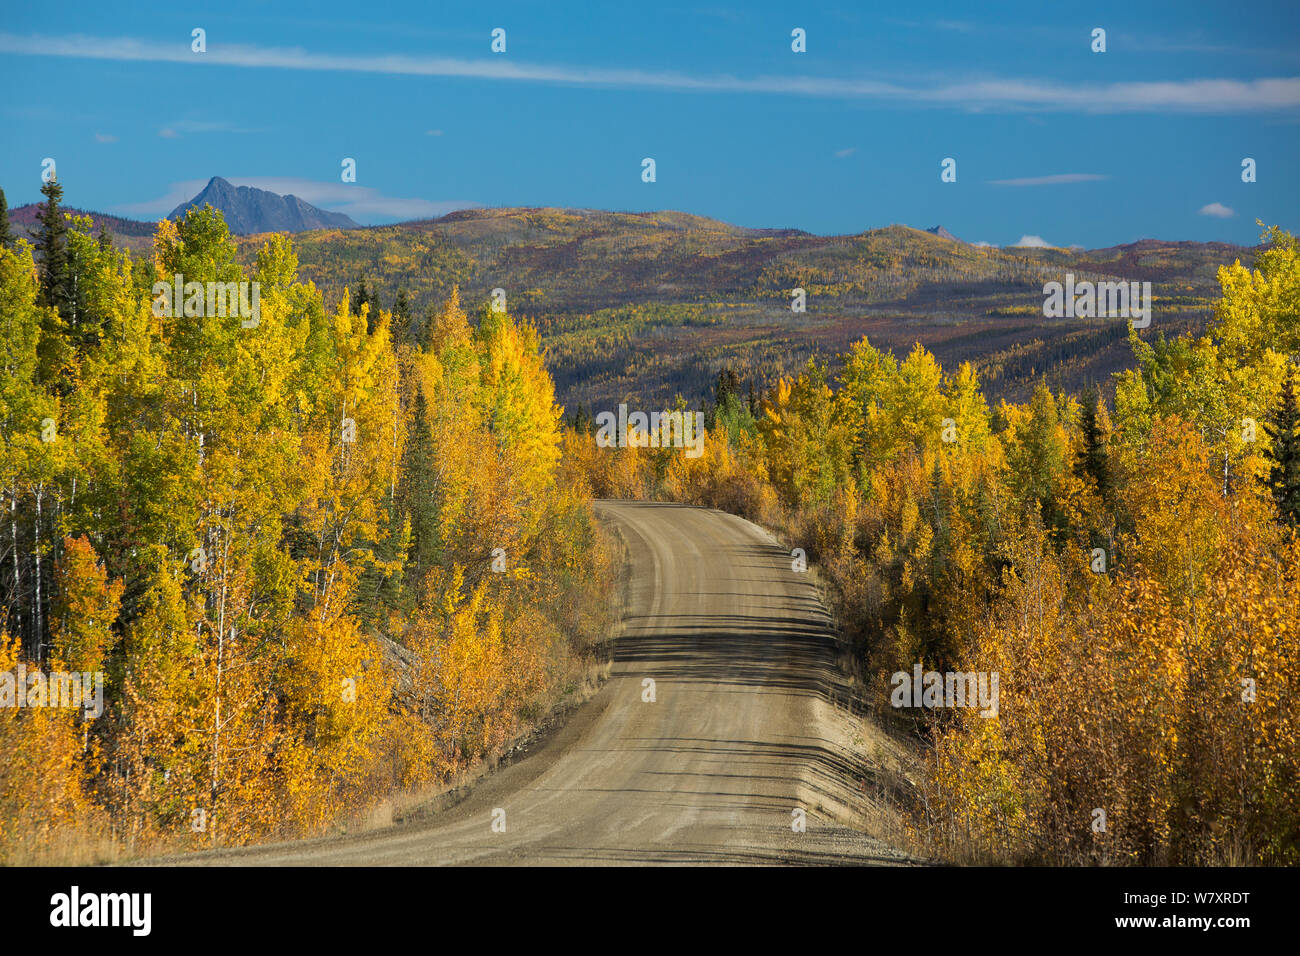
x=312, y=563
x=349, y=551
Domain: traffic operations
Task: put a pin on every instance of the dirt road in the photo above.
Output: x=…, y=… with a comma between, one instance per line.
x=741, y=731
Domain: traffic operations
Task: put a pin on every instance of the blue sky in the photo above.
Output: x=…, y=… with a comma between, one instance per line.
x=1051, y=140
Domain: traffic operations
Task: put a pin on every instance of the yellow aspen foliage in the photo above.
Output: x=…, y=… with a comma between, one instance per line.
x=1178, y=514
x=85, y=608
x=336, y=689
x=267, y=495
x=46, y=783
x=461, y=683
x=519, y=400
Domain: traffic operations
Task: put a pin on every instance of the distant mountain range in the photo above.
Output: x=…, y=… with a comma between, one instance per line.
x=249, y=211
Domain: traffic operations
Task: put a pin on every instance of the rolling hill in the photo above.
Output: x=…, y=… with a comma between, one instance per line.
x=131, y=233
x=646, y=306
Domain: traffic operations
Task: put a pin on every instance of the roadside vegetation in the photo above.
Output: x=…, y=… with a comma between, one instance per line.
x=315, y=565
x=1131, y=571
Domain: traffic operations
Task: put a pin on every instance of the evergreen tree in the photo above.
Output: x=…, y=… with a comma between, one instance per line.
x=419, y=333
x=54, y=290
x=6, y=235
x=1094, y=461
x=1284, y=475
x=401, y=317
x=725, y=393
x=52, y=246
x=416, y=495
x=728, y=384
x=361, y=296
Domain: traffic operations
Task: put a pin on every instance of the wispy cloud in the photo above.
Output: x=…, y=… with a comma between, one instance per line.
x=105, y=138
x=845, y=153
x=1217, y=210
x=1196, y=43
x=209, y=126
x=362, y=203
x=1188, y=95
x=959, y=26
x=1053, y=180
x=176, y=129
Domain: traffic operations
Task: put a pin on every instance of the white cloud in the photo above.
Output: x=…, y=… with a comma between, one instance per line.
x=1218, y=210
x=362, y=203
x=1190, y=95
x=210, y=126
x=433, y=132
x=105, y=138
x=174, y=130
x=845, y=153
x=983, y=245
x=1053, y=180
x=1031, y=242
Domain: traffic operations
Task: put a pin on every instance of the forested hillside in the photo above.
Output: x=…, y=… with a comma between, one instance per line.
x=623, y=299
x=626, y=302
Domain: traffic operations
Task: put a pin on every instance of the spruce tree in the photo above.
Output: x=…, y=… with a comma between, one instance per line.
x=727, y=388
x=420, y=336
x=6, y=235
x=401, y=317
x=362, y=297
x=1094, y=462
x=728, y=384
x=54, y=291
x=1284, y=475
x=581, y=420
x=52, y=246
x=416, y=498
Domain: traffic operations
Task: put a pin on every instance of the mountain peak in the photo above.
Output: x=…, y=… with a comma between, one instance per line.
x=942, y=233
x=250, y=210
